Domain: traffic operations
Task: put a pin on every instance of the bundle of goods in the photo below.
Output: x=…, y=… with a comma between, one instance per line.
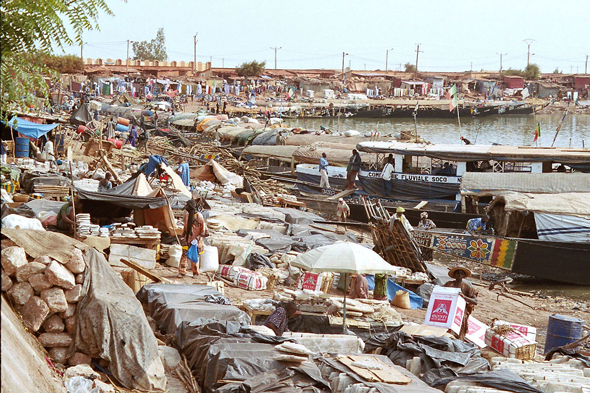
x=243, y=277
x=510, y=342
x=46, y=293
x=147, y=232
x=84, y=227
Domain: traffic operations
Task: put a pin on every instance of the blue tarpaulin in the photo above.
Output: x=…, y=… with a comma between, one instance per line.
x=153, y=163
x=30, y=129
x=392, y=288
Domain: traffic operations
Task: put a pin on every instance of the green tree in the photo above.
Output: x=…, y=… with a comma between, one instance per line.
x=512, y=72
x=64, y=64
x=532, y=72
x=556, y=71
x=27, y=26
x=152, y=50
x=253, y=68
x=410, y=67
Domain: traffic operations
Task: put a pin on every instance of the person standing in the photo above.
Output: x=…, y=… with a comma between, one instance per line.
x=399, y=215
x=3, y=151
x=48, y=150
x=386, y=177
x=324, y=182
x=195, y=228
x=132, y=137
x=359, y=288
x=467, y=292
x=342, y=211
x=426, y=224
x=354, y=165
x=143, y=140
x=183, y=171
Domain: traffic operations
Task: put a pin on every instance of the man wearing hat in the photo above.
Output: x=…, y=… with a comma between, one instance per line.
x=342, y=211
x=467, y=292
x=399, y=215
x=426, y=224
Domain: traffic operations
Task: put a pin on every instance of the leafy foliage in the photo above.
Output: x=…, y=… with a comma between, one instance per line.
x=409, y=67
x=64, y=64
x=152, y=50
x=556, y=71
x=27, y=26
x=532, y=72
x=253, y=68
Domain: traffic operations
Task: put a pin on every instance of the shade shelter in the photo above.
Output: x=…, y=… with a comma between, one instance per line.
x=346, y=258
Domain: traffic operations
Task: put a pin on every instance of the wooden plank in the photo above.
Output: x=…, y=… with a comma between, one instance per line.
x=387, y=374
x=341, y=194
x=140, y=269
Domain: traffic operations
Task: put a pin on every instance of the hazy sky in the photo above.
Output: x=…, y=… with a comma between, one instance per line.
x=452, y=35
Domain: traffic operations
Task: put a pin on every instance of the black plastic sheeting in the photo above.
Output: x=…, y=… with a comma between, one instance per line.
x=28, y=180
x=304, y=378
x=256, y=261
x=122, y=200
x=568, y=352
x=499, y=379
x=441, y=356
x=320, y=324
x=170, y=305
x=294, y=216
x=404, y=189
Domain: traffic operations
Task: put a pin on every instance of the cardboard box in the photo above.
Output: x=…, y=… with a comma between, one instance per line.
x=445, y=309
x=511, y=345
x=311, y=281
x=527, y=331
x=476, y=332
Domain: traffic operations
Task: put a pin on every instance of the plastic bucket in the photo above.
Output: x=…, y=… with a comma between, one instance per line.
x=122, y=128
x=562, y=330
x=21, y=147
x=209, y=259
x=82, y=129
x=123, y=121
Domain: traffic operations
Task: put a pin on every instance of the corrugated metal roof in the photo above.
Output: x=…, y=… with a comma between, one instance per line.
x=549, y=183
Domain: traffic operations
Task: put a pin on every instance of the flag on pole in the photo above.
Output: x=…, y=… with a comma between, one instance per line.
x=454, y=99
x=537, y=132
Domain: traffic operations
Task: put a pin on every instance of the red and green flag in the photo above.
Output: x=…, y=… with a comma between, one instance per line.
x=537, y=132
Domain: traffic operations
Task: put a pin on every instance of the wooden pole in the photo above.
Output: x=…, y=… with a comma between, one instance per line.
x=344, y=305
x=72, y=201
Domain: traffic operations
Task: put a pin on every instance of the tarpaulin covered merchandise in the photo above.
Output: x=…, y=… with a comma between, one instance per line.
x=169, y=305
x=415, y=300
x=441, y=356
x=30, y=129
x=112, y=326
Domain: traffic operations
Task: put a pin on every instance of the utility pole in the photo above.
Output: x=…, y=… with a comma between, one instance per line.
x=528, y=41
x=343, y=54
x=417, y=53
x=127, y=62
x=276, y=49
x=82, y=48
x=195, y=54
x=222, y=63
x=501, y=54
x=386, y=57
x=586, y=67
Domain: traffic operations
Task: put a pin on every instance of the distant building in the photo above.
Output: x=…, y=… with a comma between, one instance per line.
x=582, y=82
x=513, y=82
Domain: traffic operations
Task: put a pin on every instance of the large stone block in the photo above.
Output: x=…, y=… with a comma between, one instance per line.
x=12, y=258
x=21, y=292
x=82, y=370
x=54, y=324
x=59, y=275
x=79, y=358
x=70, y=312
x=76, y=264
x=46, y=260
x=74, y=294
x=70, y=324
x=34, y=313
x=40, y=282
x=55, y=299
x=59, y=354
x=24, y=272
x=80, y=278
x=6, y=281
x=51, y=340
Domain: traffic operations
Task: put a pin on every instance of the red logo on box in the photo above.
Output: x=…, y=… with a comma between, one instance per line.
x=440, y=310
x=498, y=344
x=458, y=317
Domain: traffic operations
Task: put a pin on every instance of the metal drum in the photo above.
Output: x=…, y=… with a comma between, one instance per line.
x=21, y=147
x=562, y=330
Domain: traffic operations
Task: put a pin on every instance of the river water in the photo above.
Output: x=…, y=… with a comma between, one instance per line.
x=506, y=130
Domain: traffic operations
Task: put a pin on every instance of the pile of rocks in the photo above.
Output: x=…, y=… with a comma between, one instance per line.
x=46, y=292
